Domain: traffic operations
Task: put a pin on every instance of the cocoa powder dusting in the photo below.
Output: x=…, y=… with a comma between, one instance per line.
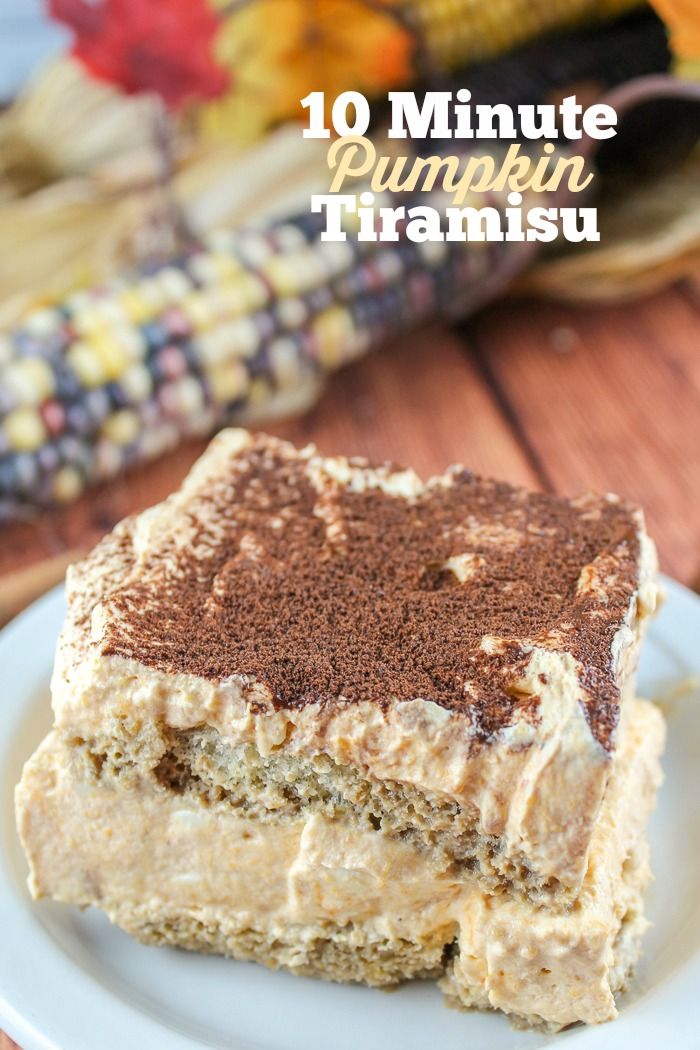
x=344, y=596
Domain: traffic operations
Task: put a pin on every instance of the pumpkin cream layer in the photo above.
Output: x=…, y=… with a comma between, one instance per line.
x=304, y=634
x=339, y=900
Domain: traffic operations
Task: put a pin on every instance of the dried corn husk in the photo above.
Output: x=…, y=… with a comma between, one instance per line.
x=650, y=237
x=65, y=124
x=82, y=230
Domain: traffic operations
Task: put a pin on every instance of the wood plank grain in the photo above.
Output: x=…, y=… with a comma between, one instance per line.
x=424, y=403
x=420, y=402
x=609, y=399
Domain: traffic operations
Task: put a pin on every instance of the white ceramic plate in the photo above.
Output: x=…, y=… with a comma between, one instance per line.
x=70, y=980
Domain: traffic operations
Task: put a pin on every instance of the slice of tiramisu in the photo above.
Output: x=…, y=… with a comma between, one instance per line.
x=325, y=716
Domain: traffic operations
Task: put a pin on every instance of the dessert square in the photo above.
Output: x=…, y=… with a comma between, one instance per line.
x=326, y=716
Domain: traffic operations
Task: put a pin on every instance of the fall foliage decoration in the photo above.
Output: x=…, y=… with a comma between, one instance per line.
x=163, y=47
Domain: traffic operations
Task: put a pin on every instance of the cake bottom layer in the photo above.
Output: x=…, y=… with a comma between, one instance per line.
x=496, y=967
x=339, y=901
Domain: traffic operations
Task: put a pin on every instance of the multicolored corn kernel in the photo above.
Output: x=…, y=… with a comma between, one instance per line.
x=25, y=430
x=138, y=384
x=67, y=485
x=122, y=427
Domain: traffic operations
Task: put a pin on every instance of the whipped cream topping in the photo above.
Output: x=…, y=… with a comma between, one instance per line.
x=328, y=607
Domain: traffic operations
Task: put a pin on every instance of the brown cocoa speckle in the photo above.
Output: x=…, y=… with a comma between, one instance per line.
x=362, y=611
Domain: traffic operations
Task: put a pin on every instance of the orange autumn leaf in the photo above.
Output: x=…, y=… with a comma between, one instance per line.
x=683, y=20
x=277, y=51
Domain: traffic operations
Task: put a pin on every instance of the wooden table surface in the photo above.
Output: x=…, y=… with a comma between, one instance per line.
x=547, y=396
x=551, y=397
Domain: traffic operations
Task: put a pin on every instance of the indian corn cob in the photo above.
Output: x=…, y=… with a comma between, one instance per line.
x=117, y=375
x=458, y=32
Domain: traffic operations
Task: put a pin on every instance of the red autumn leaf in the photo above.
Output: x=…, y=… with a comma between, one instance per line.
x=161, y=46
